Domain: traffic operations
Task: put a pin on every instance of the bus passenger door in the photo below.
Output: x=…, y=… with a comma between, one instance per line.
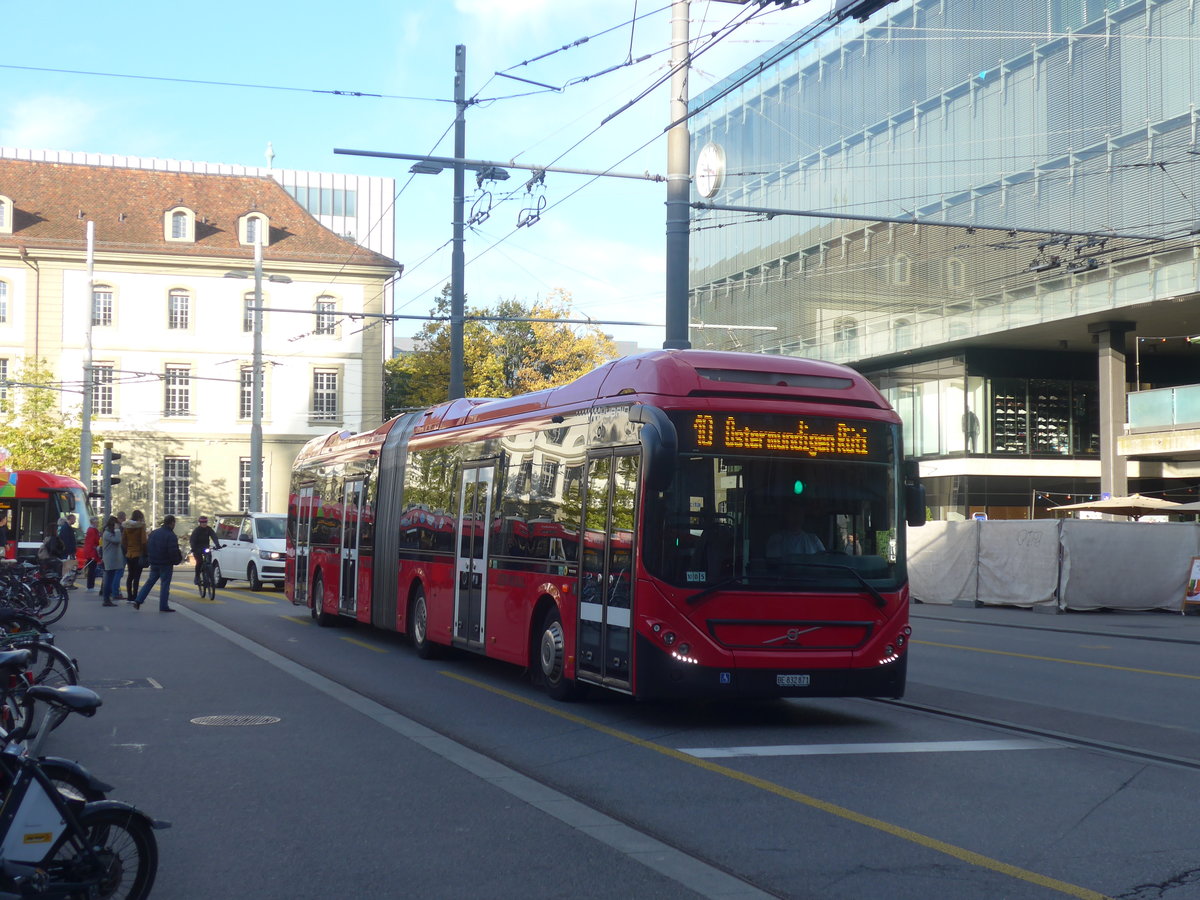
x=470, y=586
x=304, y=517
x=351, y=522
x=606, y=570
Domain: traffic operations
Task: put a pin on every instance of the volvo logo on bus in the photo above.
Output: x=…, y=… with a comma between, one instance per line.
x=791, y=636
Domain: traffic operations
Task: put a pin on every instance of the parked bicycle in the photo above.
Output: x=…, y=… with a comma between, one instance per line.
x=33, y=589
x=53, y=845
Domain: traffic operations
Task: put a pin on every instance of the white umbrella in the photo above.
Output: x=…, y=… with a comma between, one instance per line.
x=1135, y=506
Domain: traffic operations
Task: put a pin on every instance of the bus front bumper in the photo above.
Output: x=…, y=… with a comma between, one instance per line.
x=661, y=676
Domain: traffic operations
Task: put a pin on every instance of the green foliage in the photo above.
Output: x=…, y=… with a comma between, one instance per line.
x=500, y=359
x=39, y=430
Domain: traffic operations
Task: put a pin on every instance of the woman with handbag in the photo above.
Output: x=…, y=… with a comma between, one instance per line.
x=133, y=542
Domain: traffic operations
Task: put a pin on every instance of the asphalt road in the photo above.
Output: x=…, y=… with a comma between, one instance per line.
x=376, y=774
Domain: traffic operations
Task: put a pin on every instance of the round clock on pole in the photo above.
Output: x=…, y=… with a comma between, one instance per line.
x=710, y=169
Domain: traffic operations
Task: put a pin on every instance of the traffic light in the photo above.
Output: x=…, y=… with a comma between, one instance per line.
x=108, y=475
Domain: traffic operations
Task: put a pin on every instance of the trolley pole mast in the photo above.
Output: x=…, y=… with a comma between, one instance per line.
x=679, y=185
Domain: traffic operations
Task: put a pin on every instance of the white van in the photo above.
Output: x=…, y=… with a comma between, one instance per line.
x=253, y=549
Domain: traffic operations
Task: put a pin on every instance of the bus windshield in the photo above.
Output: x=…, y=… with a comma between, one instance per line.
x=766, y=521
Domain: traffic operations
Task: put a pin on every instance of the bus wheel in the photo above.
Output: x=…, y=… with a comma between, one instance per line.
x=418, y=625
x=552, y=659
x=322, y=618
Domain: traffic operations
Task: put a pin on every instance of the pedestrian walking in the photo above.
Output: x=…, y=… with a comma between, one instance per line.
x=92, y=561
x=133, y=542
x=162, y=549
x=114, y=560
x=69, y=545
x=5, y=534
x=121, y=522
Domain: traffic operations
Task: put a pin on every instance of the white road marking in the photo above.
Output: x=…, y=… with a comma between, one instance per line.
x=839, y=749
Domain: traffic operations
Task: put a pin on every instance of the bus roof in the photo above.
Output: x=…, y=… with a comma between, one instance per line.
x=29, y=481
x=676, y=373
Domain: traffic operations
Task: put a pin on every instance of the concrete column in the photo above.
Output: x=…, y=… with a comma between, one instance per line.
x=1113, y=381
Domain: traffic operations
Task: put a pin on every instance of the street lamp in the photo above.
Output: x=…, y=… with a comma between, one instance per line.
x=256, y=384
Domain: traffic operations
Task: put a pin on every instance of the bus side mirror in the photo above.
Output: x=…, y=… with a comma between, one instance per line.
x=914, y=494
x=660, y=442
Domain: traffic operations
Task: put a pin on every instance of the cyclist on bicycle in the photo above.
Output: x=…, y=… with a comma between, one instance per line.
x=199, y=540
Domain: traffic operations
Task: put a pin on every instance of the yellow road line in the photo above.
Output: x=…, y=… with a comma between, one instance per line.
x=299, y=620
x=968, y=856
x=358, y=643
x=1073, y=662
x=256, y=601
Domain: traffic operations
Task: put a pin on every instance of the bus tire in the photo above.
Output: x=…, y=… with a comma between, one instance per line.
x=322, y=618
x=552, y=659
x=418, y=625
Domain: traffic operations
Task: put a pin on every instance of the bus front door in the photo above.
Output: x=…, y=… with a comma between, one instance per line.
x=470, y=586
x=606, y=570
x=304, y=517
x=351, y=522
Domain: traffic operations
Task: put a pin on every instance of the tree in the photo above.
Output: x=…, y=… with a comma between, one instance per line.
x=500, y=358
x=39, y=431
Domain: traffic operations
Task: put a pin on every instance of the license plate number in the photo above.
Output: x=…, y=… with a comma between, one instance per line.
x=792, y=680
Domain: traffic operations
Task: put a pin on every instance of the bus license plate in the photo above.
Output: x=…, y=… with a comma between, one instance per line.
x=792, y=680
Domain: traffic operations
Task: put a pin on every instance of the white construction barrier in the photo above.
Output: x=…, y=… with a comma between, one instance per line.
x=1053, y=564
x=1018, y=562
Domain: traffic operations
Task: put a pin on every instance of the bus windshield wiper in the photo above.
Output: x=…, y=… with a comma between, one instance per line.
x=721, y=585
x=717, y=586
x=879, y=598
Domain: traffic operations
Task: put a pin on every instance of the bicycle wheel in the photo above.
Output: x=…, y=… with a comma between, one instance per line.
x=116, y=851
x=48, y=664
x=208, y=586
x=50, y=600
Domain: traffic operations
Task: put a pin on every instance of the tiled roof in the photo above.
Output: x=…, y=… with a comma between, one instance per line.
x=52, y=202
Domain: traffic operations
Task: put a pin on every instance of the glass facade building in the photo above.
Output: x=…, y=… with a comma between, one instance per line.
x=1060, y=139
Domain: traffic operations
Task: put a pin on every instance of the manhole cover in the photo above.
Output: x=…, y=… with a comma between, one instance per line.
x=235, y=720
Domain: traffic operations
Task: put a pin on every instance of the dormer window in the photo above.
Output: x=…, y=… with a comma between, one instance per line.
x=253, y=228
x=6, y=215
x=179, y=225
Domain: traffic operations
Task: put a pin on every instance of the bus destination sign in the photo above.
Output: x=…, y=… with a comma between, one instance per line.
x=787, y=435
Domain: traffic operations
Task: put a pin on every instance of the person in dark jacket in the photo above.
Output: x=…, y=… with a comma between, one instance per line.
x=66, y=534
x=199, y=540
x=162, y=549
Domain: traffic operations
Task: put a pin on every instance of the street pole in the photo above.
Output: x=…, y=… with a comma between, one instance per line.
x=678, y=185
x=457, y=256
x=256, y=389
x=85, y=431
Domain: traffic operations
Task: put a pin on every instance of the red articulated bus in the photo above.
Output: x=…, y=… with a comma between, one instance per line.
x=34, y=501
x=629, y=530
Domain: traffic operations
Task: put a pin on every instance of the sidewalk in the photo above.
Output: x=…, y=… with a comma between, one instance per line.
x=1155, y=625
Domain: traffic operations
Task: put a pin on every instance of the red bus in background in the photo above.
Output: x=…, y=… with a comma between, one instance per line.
x=34, y=501
x=618, y=531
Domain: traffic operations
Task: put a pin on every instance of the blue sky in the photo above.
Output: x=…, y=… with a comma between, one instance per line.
x=270, y=68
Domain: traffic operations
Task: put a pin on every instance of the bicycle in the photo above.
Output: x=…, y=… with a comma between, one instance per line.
x=100, y=848
x=208, y=578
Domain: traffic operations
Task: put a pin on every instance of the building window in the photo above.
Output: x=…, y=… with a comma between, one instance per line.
x=956, y=274
x=179, y=225
x=177, y=486
x=102, y=389
x=248, y=305
x=549, y=478
x=102, y=305
x=325, y=396
x=178, y=391
x=326, y=320
x=901, y=269
x=246, y=394
x=6, y=215
x=179, y=307
x=244, y=483
x=3, y=302
x=98, y=476
x=255, y=227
